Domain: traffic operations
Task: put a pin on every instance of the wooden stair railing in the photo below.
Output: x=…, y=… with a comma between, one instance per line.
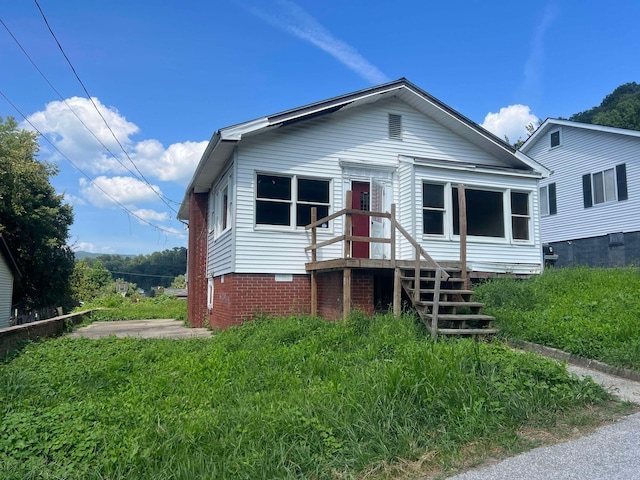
x=437, y=303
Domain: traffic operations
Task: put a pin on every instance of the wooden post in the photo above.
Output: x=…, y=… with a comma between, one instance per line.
x=346, y=275
x=348, y=226
x=462, y=214
x=346, y=293
x=416, y=277
x=397, y=295
x=314, y=257
x=436, y=304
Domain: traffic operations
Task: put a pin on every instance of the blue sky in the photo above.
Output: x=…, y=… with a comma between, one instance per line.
x=165, y=75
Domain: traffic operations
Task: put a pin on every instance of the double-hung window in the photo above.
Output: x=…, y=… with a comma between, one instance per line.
x=605, y=186
x=433, y=211
x=520, y=215
x=548, y=204
x=288, y=200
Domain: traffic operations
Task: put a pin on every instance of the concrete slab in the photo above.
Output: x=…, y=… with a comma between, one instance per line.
x=157, y=328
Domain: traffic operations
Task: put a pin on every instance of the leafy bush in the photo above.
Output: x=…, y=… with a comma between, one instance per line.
x=594, y=313
x=288, y=398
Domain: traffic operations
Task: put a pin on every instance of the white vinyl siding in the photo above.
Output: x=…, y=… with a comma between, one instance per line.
x=6, y=291
x=585, y=152
x=315, y=149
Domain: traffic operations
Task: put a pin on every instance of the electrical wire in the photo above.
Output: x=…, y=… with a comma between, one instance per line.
x=93, y=103
x=162, y=197
x=126, y=209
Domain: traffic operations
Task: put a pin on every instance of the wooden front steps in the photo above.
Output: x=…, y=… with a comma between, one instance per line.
x=446, y=306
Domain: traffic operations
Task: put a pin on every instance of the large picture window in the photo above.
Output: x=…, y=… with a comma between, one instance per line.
x=485, y=213
x=287, y=200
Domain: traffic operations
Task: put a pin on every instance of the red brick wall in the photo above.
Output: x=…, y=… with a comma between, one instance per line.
x=197, y=260
x=362, y=291
x=243, y=296
x=330, y=293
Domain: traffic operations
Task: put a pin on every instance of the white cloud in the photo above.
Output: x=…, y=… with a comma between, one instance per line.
x=73, y=200
x=151, y=216
x=177, y=163
x=60, y=123
x=510, y=121
x=126, y=190
x=84, y=246
x=293, y=19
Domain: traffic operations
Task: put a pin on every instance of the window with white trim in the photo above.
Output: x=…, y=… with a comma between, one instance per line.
x=608, y=185
x=548, y=204
x=554, y=138
x=520, y=218
x=485, y=212
x=433, y=210
x=209, y=293
x=287, y=200
x=502, y=214
x=211, y=217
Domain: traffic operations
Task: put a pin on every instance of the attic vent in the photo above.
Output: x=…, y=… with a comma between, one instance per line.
x=395, y=126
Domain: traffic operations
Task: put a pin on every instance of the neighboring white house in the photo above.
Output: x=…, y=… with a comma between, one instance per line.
x=252, y=192
x=590, y=204
x=8, y=269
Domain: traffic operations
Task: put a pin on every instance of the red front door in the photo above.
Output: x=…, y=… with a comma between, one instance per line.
x=360, y=201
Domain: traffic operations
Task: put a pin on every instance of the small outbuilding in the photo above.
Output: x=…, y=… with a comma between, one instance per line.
x=8, y=272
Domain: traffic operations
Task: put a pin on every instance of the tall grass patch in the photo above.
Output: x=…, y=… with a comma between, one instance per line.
x=285, y=398
x=117, y=307
x=591, y=312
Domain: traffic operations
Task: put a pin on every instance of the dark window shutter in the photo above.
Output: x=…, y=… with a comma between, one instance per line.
x=586, y=190
x=553, y=206
x=621, y=178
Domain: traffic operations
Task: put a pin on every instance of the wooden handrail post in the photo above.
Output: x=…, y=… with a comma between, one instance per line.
x=436, y=303
x=314, y=258
x=462, y=214
x=348, y=226
x=397, y=281
x=416, y=277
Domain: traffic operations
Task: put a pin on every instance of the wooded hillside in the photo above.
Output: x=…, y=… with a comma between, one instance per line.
x=621, y=109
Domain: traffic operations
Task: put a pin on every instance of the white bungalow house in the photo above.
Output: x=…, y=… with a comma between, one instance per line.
x=8, y=270
x=251, y=198
x=590, y=204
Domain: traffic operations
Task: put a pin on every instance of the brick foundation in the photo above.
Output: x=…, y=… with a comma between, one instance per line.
x=330, y=293
x=240, y=297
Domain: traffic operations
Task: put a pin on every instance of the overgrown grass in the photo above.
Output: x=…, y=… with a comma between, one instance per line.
x=591, y=312
x=119, y=308
x=289, y=398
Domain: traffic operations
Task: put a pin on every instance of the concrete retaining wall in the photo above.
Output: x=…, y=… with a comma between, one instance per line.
x=12, y=337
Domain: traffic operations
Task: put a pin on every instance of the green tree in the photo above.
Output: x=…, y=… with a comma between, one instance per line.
x=35, y=220
x=621, y=109
x=179, y=282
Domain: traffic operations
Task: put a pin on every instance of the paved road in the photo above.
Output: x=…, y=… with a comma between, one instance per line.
x=610, y=453
x=162, y=328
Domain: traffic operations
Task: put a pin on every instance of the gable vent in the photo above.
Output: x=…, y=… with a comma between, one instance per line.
x=395, y=126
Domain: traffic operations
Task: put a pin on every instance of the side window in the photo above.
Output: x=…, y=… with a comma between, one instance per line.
x=433, y=210
x=548, y=204
x=520, y=215
x=606, y=186
x=211, y=217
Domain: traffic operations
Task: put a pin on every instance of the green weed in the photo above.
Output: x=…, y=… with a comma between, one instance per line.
x=594, y=313
x=275, y=398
